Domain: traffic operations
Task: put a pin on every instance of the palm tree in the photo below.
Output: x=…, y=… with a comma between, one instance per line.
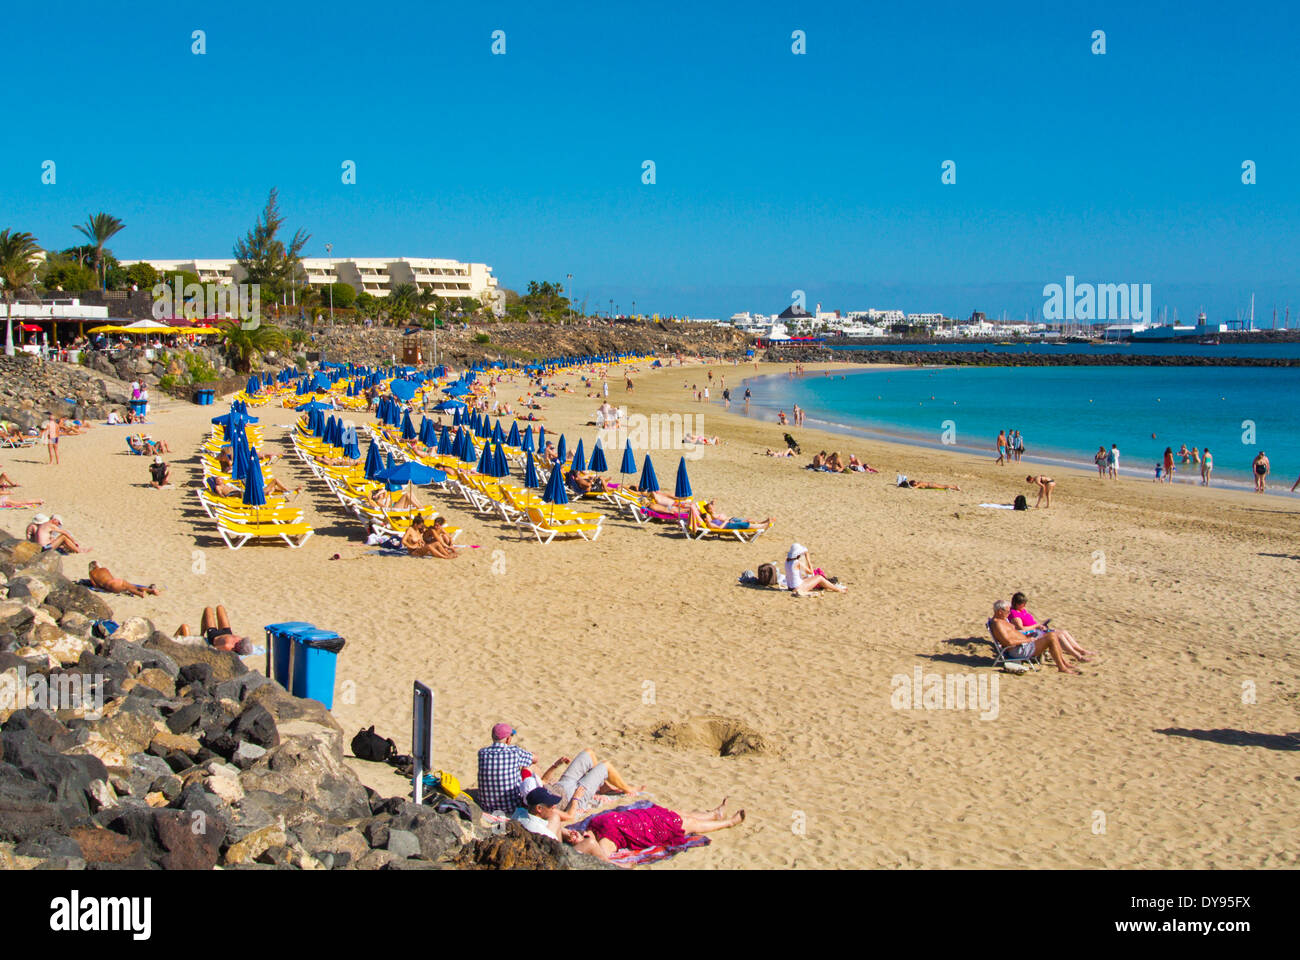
x=17, y=253
x=99, y=229
x=242, y=345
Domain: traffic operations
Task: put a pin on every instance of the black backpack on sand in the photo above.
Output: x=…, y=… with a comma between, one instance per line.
x=368, y=745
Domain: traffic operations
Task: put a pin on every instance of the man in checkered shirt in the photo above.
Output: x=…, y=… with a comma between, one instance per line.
x=498, y=771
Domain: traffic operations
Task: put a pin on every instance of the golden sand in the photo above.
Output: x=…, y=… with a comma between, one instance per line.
x=1177, y=748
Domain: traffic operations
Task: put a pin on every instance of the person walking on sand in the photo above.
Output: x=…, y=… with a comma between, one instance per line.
x=1101, y=459
x=1260, y=467
x=1207, y=467
x=1112, y=462
x=50, y=434
x=1002, y=448
x=1169, y=464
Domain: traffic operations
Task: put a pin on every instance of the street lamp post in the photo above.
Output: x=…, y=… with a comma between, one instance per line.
x=329, y=272
x=570, y=293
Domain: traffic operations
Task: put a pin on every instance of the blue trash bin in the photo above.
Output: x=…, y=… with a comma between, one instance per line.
x=139, y=407
x=315, y=656
x=203, y=397
x=279, y=648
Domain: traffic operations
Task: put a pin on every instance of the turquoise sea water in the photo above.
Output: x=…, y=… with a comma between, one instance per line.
x=1064, y=413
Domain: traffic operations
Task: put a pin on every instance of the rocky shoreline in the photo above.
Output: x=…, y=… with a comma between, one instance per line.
x=460, y=346
x=987, y=358
x=135, y=751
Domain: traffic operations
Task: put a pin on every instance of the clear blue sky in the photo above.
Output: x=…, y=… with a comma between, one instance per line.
x=774, y=172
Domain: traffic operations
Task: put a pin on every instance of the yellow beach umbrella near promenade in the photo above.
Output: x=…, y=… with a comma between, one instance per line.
x=110, y=328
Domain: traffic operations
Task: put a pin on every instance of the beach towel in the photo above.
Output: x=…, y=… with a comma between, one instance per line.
x=998, y=506
x=636, y=858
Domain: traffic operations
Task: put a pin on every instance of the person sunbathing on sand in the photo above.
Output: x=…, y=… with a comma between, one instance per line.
x=1020, y=645
x=860, y=466
x=48, y=532
x=926, y=485
x=702, y=440
x=801, y=578
x=1024, y=621
x=780, y=453
x=647, y=827
x=8, y=502
x=102, y=578
x=215, y=628
x=420, y=541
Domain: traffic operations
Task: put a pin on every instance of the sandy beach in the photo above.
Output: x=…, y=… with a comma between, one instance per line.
x=1175, y=749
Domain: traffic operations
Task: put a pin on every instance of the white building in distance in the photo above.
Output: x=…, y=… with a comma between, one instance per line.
x=376, y=276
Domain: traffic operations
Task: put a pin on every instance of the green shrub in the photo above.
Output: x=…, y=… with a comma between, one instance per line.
x=199, y=368
x=482, y=338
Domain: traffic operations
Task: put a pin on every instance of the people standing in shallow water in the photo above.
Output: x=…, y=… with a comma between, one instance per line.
x=1260, y=467
x=1207, y=467
x=1002, y=448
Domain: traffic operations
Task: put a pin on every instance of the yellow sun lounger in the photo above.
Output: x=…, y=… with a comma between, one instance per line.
x=539, y=523
x=697, y=531
x=237, y=534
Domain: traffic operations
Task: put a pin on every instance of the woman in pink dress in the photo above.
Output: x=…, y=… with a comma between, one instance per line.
x=647, y=827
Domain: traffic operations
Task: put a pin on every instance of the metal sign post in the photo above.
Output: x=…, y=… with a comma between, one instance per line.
x=421, y=737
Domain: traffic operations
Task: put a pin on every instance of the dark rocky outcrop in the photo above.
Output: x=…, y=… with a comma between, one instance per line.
x=179, y=757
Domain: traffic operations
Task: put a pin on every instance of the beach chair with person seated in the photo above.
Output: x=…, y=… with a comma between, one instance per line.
x=547, y=525
x=695, y=530
x=234, y=530
x=1001, y=655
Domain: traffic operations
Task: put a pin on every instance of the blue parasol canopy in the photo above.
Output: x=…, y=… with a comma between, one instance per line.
x=500, y=466
x=598, y=464
x=526, y=444
x=254, y=485
x=444, y=441
x=555, y=492
x=629, y=460
x=530, y=473
x=374, y=460
x=649, y=482
x=403, y=389
x=579, y=461
x=408, y=428
x=683, y=488
x=411, y=472
x=467, y=452
x=513, y=439
x=561, y=451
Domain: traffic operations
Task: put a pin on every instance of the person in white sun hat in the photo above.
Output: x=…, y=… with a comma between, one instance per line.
x=801, y=578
